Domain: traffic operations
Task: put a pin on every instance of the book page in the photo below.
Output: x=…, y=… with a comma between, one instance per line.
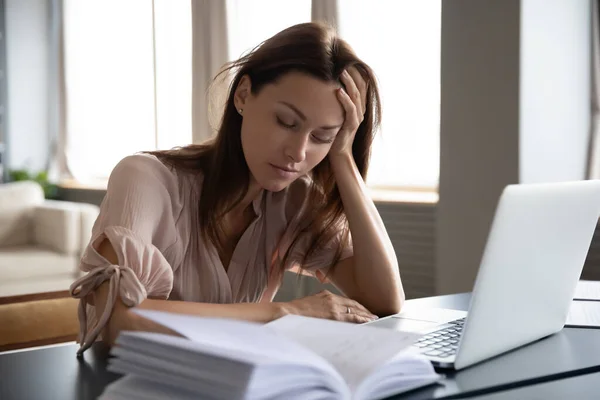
x=588, y=290
x=355, y=351
x=228, y=335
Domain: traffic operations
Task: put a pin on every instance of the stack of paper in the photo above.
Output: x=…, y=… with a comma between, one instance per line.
x=292, y=358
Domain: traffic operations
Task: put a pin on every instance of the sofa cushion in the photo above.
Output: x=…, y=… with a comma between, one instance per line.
x=17, y=203
x=56, y=226
x=33, y=286
x=21, y=263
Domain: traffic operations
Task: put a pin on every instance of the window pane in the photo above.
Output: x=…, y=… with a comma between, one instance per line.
x=173, y=35
x=110, y=83
x=252, y=22
x=400, y=40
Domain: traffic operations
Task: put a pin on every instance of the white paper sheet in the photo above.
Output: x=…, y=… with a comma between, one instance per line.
x=588, y=290
x=354, y=350
x=225, y=334
x=584, y=314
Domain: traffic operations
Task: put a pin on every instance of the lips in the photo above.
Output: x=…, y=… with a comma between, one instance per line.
x=284, y=172
x=286, y=169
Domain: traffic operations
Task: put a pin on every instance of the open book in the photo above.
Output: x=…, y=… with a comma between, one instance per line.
x=291, y=358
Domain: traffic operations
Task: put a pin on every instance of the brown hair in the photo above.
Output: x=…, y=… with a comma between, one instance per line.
x=312, y=48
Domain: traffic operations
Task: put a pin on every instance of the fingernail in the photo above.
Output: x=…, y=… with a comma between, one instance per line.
x=374, y=317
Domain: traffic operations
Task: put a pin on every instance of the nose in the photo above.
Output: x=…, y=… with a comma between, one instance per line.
x=295, y=148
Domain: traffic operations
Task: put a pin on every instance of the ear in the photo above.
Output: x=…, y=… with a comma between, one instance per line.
x=242, y=92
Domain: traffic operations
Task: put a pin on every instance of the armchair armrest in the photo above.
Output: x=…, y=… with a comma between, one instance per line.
x=64, y=226
x=88, y=215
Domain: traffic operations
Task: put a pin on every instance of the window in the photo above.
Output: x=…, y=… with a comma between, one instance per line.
x=173, y=49
x=401, y=41
x=251, y=22
x=128, y=80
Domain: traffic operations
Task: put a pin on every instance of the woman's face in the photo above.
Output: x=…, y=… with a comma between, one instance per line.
x=288, y=128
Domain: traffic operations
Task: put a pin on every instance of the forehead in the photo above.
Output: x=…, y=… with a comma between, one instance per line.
x=317, y=99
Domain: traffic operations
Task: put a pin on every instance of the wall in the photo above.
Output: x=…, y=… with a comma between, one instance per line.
x=514, y=108
x=479, y=125
x=555, y=90
x=27, y=53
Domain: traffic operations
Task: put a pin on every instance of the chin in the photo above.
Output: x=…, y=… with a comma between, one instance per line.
x=271, y=182
x=274, y=185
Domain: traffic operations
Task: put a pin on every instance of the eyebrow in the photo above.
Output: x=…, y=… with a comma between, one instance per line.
x=303, y=117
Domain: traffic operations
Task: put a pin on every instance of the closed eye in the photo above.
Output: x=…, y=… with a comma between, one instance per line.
x=323, y=140
x=287, y=126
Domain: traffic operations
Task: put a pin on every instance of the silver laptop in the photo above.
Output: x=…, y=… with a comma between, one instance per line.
x=533, y=259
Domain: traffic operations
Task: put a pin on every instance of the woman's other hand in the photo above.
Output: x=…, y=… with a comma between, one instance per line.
x=329, y=306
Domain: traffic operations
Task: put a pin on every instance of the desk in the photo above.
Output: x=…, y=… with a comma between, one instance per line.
x=20, y=298
x=55, y=373
x=584, y=387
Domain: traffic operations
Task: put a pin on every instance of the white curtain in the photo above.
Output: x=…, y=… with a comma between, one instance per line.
x=57, y=167
x=594, y=149
x=325, y=10
x=209, y=54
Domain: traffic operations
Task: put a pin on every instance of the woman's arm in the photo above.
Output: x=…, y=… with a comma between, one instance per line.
x=123, y=319
x=322, y=305
x=371, y=276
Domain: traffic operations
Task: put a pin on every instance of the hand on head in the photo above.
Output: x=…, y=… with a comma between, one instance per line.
x=354, y=102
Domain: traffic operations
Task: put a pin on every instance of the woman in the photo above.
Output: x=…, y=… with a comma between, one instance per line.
x=209, y=229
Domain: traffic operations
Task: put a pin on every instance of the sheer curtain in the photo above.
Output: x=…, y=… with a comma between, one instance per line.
x=594, y=149
x=210, y=50
x=325, y=10
x=57, y=168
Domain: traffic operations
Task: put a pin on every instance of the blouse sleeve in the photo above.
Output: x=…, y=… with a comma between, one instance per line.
x=137, y=217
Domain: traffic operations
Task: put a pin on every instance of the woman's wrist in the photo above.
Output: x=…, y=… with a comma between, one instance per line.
x=124, y=319
x=282, y=309
x=342, y=160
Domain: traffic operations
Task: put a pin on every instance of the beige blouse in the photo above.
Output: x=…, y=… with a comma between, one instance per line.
x=149, y=215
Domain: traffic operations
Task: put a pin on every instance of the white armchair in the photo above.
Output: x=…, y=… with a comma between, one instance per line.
x=41, y=241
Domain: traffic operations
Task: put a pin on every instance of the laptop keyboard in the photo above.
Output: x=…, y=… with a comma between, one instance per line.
x=442, y=343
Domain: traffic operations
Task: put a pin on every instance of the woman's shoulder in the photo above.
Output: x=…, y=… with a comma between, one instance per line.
x=140, y=162
x=142, y=169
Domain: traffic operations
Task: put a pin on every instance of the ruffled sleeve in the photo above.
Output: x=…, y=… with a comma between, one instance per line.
x=137, y=216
